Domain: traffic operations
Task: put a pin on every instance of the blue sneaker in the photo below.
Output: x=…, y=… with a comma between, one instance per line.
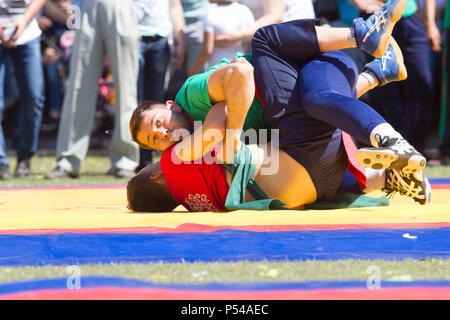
x=390, y=67
x=373, y=35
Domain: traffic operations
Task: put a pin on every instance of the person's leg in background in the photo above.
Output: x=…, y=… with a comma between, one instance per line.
x=154, y=58
x=30, y=80
x=120, y=29
x=409, y=101
x=4, y=161
x=54, y=96
x=193, y=32
x=78, y=111
x=417, y=88
x=444, y=127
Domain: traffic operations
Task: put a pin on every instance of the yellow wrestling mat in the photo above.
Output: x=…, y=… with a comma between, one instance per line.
x=105, y=207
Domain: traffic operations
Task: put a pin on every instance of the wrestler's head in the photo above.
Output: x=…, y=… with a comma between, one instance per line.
x=147, y=191
x=153, y=124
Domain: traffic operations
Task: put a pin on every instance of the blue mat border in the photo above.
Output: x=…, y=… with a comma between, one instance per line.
x=224, y=246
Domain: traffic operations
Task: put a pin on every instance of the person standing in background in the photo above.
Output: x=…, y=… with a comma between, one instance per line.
x=108, y=28
x=19, y=37
x=410, y=101
x=226, y=15
x=299, y=9
x=265, y=12
x=159, y=23
x=194, y=11
x=435, y=39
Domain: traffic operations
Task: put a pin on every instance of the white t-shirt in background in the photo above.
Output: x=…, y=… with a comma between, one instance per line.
x=227, y=17
x=10, y=10
x=295, y=9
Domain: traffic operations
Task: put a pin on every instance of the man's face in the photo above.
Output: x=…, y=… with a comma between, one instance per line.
x=159, y=124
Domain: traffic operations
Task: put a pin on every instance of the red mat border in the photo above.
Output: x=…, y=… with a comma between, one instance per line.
x=192, y=228
x=111, y=293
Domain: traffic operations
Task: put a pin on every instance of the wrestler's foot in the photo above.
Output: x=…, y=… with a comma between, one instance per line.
x=390, y=67
x=372, y=35
x=392, y=153
x=413, y=185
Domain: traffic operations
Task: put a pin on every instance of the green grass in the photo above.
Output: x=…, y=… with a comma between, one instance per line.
x=94, y=168
x=93, y=172
x=407, y=270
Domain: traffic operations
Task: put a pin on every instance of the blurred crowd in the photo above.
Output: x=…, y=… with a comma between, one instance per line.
x=77, y=69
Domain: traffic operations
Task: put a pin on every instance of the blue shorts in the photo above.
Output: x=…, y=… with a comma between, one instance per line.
x=287, y=72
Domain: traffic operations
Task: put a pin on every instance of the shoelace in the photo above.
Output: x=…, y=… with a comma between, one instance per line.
x=401, y=146
x=380, y=20
x=395, y=183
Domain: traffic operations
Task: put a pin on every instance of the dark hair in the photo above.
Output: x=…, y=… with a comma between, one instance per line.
x=146, y=195
x=136, y=119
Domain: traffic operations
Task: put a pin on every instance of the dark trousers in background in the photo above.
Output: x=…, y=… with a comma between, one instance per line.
x=445, y=111
x=154, y=58
x=27, y=63
x=407, y=105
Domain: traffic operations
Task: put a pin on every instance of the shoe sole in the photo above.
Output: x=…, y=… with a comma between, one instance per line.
x=378, y=158
x=402, y=72
x=385, y=39
x=69, y=176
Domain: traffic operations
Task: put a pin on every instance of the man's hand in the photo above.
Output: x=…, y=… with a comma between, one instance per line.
x=241, y=60
x=227, y=39
x=50, y=56
x=434, y=37
x=19, y=25
x=433, y=34
x=180, y=51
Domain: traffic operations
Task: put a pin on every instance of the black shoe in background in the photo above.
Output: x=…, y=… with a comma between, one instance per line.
x=4, y=172
x=23, y=168
x=60, y=173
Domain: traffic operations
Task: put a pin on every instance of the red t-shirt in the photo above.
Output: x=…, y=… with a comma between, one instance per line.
x=198, y=187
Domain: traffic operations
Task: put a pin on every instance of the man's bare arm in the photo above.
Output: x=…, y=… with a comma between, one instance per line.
x=231, y=89
x=433, y=34
x=202, y=140
x=235, y=85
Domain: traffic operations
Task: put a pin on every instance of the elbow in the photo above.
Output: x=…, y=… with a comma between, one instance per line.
x=240, y=73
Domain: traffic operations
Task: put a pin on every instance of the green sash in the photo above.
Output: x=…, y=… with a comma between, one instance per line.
x=242, y=171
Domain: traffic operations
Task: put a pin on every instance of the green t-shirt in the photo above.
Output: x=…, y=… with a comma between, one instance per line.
x=193, y=97
x=447, y=16
x=410, y=8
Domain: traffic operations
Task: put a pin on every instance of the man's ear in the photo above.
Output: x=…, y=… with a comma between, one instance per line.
x=173, y=106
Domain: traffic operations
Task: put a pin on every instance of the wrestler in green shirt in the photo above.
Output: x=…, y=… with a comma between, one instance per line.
x=193, y=97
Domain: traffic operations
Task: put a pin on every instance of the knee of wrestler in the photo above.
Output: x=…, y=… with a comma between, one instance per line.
x=259, y=38
x=313, y=102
